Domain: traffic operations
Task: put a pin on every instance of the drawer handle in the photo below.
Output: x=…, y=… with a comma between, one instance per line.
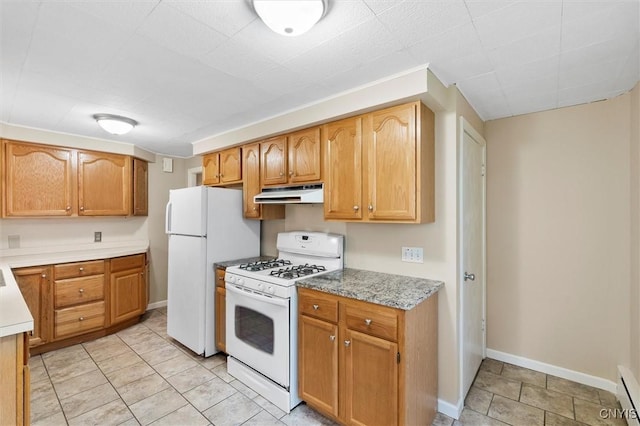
x=367, y=321
x=347, y=343
x=81, y=290
x=81, y=318
x=315, y=307
x=81, y=269
x=332, y=338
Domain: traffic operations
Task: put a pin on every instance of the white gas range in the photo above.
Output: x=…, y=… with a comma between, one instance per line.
x=261, y=313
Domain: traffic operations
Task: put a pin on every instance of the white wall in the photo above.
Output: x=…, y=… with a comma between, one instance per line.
x=558, y=186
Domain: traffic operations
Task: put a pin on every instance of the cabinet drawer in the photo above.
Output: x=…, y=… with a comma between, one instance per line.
x=220, y=277
x=73, y=291
x=127, y=262
x=383, y=323
x=78, y=269
x=79, y=319
x=318, y=305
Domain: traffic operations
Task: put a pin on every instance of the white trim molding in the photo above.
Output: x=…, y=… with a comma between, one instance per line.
x=154, y=305
x=448, y=409
x=565, y=373
x=629, y=395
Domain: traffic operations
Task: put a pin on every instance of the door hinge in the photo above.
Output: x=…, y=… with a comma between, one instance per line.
x=483, y=325
x=398, y=357
x=484, y=170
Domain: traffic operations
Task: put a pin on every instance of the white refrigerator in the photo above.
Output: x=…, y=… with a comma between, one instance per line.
x=205, y=225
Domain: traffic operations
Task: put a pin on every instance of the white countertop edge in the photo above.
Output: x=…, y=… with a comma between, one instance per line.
x=9, y=330
x=18, y=258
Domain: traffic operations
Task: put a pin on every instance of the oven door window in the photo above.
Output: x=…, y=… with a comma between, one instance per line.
x=254, y=328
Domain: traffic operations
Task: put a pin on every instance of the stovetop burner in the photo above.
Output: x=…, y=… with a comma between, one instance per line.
x=297, y=271
x=261, y=265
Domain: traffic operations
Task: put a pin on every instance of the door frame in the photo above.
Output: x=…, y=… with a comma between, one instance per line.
x=466, y=127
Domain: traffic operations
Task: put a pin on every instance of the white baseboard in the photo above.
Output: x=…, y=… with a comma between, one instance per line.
x=154, y=305
x=576, y=376
x=629, y=395
x=449, y=409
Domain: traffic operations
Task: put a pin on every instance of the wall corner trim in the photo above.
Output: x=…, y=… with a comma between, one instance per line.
x=450, y=409
x=565, y=373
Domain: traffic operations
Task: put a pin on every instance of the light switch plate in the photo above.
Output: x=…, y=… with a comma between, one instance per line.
x=413, y=254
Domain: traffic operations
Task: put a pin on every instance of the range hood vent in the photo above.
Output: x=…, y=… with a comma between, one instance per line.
x=303, y=194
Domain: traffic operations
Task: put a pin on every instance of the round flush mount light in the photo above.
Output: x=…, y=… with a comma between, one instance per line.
x=115, y=124
x=290, y=17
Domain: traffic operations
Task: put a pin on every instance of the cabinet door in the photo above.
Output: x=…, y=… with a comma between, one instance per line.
x=318, y=363
x=35, y=286
x=251, y=178
x=343, y=169
x=128, y=295
x=273, y=165
x=104, y=184
x=140, y=187
x=230, y=166
x=39, y=180
x=390, y=163
x=211, y=169
x=221, y=323
x=304, y=156
x=371, y=380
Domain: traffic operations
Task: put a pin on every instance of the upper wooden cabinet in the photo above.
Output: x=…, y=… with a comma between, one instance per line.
x=39, y=180
x=42, y=180
x=397, y=158
x=251, y=187
x=223, y=167
x=292, y=158
x=104, y=184
x=140, y=187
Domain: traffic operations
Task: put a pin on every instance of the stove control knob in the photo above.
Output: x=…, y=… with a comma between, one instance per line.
x=271, y=290
x=260, y=286
x=231, y=278
x=240, y=281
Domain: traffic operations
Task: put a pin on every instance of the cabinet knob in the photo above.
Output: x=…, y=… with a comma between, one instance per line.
x=81, y=269
x=81, y=208
x=291, y=173
x=370, y=208
x=367, y=321
x=68, y=208
x=347, y=343
x=356, y=208
x=217, y=175
x=255, y=209
x=332, y=338
x=81, y=318
x=221, y=175
x=281, y=174
x=81, y=290
x=44, y=275
x=315, y=307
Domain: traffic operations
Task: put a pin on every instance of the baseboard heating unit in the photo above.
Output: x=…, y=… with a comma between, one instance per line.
x=628, y=393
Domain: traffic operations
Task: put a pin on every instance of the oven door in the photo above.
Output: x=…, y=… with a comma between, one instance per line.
x=258, y=332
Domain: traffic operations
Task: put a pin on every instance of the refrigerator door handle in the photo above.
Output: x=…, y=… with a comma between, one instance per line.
x=167, y=224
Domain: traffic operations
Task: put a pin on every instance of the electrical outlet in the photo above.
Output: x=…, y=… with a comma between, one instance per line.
x=413, y=254
x=97, y=237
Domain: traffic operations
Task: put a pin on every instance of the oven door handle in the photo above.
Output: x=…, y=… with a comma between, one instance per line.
x=271, y=300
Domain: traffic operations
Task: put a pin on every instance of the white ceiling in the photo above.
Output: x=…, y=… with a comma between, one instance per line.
x=189, y=69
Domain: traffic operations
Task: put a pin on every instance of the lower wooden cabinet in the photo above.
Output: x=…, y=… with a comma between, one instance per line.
x=128, y=288
x=366, y=364
x=72, y=301
x=35, y=286
x=221, y=303
x=14, y=380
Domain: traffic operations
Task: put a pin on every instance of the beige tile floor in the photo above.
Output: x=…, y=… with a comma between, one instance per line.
x=141, y=376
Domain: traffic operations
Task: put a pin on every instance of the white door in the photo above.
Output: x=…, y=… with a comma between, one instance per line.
x=186, y=291
x=472, y=262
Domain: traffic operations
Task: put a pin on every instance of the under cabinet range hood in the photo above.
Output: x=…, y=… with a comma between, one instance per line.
x=303, y=194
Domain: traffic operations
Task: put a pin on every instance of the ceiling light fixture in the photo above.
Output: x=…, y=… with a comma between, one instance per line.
x=115, y=124
x=290, y=17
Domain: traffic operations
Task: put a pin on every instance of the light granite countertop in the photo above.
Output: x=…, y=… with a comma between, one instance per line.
x=395, y=291
x=14, y=314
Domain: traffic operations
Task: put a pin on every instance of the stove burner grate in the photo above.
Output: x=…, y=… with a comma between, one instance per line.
x=297, y=271
x=261, y=265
